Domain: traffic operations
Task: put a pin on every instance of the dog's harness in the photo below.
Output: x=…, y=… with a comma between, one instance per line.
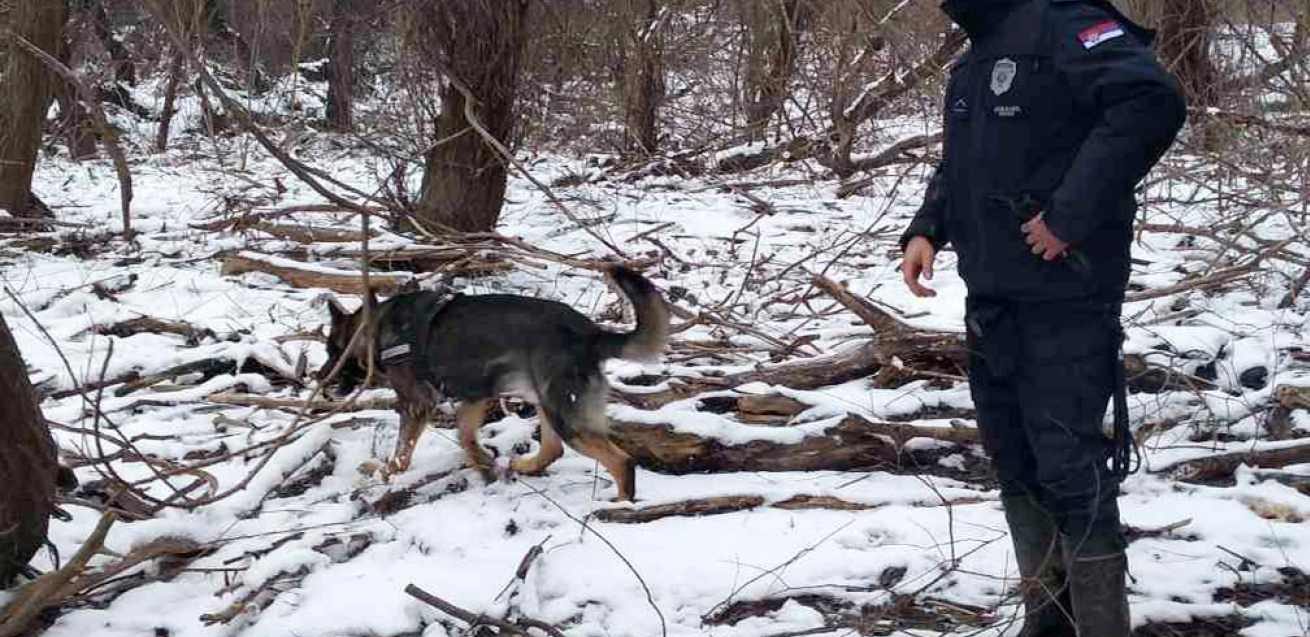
x=409, y=340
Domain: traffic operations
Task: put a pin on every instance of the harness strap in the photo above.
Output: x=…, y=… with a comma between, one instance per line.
x=411, y=318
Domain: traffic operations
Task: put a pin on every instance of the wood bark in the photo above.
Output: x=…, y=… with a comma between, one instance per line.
x=341, y=67
x=643, y=76
x=26, y=90
x=1220, y=468
x=28, y=465
x=774, y=30
x=854, y=443
x=716, y=505
x=78, y=129
x=477, y=45
x=101, y=122
x=1185, y=35
x=307, y=276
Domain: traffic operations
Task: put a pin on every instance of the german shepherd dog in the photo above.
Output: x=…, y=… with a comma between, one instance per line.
x=478, y=348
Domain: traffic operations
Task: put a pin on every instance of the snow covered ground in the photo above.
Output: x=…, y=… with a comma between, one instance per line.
x=313, y=548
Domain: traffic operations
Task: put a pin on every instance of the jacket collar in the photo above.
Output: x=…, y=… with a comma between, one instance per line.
x=978, y=17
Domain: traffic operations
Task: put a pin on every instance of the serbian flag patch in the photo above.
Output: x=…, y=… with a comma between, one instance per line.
x=1099, y=32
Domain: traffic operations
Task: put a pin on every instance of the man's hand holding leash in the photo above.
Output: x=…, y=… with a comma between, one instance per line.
x=1041, y=240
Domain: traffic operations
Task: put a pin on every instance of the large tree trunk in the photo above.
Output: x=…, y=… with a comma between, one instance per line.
x=26, y=89
x=78, y=127
x=1186, y=27
x=643, y=77
x=28, y=465
x=341, y=67
x=216, y=22
x=773, y=43
x=478, y=45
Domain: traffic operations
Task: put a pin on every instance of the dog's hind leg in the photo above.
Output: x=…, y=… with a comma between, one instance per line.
x=470, y=416
x=616, y=461
x=551, y=449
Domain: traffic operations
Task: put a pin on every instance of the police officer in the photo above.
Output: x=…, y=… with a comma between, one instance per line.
x=1052, y=117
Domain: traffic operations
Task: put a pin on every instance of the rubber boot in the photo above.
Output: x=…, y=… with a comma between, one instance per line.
x=1097, y=587
x=1038, y=551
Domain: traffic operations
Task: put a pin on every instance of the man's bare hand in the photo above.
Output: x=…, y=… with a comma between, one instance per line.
x=1041, y=240
x=919, y=255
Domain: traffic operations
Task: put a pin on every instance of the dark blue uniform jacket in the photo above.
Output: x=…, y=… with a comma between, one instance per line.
x=1058, y=105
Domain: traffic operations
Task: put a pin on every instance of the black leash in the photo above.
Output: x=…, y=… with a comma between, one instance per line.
x=1126, y=458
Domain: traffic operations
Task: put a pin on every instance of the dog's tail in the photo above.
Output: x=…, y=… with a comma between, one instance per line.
x=652, y=333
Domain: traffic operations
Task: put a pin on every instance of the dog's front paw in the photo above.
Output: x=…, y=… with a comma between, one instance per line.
x=488, y=473
x=525, y=466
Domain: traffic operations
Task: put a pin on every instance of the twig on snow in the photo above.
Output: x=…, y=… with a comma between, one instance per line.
x=650, y=597
x=473, y=619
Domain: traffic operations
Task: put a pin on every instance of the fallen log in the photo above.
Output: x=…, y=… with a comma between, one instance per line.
x=725, y=504
x=1295, y=481
x=152, y=325
x=854, y=443
x=1287, y=398
x=686, y=508
x=91, y=387
x=1220, y=468
x=810, y=373
x=1143, y=377
x=902, y=352
x=1292, y=397
x=305, y=233
x=305, y=275
x=266, y=402
x=466, y=260
x=207, y=367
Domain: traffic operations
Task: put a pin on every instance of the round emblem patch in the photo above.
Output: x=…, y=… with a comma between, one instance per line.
x=1003, y=75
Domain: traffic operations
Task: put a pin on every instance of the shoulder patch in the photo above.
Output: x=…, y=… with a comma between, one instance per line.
x=1099, y=32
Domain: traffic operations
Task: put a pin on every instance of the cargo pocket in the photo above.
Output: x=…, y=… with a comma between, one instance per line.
x=1069, y=355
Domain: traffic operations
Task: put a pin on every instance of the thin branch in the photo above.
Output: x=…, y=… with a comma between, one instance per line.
x=650, y=597
x=473, y=619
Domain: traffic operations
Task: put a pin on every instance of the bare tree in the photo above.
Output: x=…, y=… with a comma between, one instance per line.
x=773, y=39
x=28, y=465
x=26, y=90
x=643, y=73
x=218, y=26
x=1186, y=29
x=476, y=45
x=874, y=65
x=78, y=129
x=341, y=67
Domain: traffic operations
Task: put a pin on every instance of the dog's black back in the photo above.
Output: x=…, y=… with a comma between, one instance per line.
x=478, y=345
